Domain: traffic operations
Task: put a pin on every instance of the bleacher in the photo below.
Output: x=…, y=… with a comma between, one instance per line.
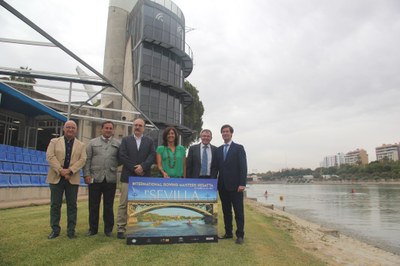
x=22, y=167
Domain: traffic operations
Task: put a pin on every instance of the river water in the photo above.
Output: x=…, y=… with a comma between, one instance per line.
x=370, y=213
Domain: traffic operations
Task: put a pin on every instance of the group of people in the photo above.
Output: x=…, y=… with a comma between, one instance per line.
x=136, y=153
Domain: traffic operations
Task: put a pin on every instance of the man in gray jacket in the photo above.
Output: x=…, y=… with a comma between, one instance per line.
x=100, y=174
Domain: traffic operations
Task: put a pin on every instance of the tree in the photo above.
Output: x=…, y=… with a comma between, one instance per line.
x=193, y=114
x=23, y=79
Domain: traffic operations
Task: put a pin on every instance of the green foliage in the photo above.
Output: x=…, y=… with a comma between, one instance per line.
x=385, y=169
x=193, y=114
x=23, y=79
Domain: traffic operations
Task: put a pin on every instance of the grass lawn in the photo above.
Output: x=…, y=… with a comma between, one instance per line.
x=23, y=241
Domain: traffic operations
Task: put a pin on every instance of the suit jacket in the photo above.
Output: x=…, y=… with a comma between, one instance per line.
x=55, y=156
x=129, y=156
x=193, y=161
x=102, y=160
x=231, y=172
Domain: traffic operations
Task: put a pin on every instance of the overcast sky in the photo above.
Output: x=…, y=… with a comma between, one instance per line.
x=297, y=80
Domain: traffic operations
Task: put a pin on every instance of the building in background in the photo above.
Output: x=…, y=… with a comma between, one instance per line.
x=147, y=56
x=357, y=157
x=388, y=151
x=333, y=160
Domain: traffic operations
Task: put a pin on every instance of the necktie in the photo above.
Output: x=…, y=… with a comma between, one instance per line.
x=204, y=161
x=225, y=150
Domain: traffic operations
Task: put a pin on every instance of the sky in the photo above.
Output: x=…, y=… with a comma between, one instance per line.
x=297, y=80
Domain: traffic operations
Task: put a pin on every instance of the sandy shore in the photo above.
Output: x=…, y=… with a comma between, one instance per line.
x=329, y=245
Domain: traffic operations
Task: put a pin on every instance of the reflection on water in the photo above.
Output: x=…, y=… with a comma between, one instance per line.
x=172, y=228
x=368, y=212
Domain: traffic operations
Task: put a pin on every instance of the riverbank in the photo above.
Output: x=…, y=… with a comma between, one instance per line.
x=329, y=245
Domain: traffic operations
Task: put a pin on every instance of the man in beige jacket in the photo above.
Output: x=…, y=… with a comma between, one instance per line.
x=66, y=155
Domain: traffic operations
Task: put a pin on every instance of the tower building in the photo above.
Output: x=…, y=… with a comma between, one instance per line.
x=146, y=55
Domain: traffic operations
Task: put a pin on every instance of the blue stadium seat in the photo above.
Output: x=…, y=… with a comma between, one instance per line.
x=3, y=147
x=17, y=168
x=15, y=180
x=4, y=180
x=10, y=157
x=42, y=170
x=18, y=150
x=26, y=169
x=82, y=182
x=35, y=169
x=42, y=159
x=43, y=181
x=3, y=155
x=35, y=180
x=26, y=151
x=27, y=158
x=26, y=181
x=19, y=158
x=34, y=159
x=10, y=148
x=1, y=167
x=8, y=167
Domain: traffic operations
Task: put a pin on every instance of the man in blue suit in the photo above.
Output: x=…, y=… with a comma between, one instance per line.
x=198, y=162
x=229, y=165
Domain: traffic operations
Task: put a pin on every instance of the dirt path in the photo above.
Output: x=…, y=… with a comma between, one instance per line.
x=329, y=245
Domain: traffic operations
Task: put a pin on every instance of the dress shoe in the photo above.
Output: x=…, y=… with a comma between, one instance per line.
x=91, y=233
x=108, y=234
x=225, y=236
x=53, y=235
x=239, y=240
x=121, y=235
x=71, y=235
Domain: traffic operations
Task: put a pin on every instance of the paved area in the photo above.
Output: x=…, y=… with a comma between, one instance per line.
x=30, y=202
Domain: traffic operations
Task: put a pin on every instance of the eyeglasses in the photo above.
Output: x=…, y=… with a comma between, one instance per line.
x=70, y=127
x=138, y=125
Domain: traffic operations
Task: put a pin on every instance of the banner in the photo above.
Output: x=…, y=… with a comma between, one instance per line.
x=171, y=210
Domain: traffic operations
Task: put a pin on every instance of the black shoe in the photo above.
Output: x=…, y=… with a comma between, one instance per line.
x=239, y=240
x=91, y=233
x=121, y=235
x=108, y=234
x=53, y=235
x=225, y=236
x=71, y=235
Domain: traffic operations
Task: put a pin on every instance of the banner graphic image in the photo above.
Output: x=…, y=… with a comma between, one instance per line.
x=172, y=210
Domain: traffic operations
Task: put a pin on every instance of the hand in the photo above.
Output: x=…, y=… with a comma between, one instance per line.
x=164, y=174
x=138, y=170
x=88, y=180
x=67, y=177
x=241, y=188
x=64, y=172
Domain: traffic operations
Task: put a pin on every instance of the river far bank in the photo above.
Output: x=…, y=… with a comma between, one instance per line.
x=329, y=245
x=333, y=182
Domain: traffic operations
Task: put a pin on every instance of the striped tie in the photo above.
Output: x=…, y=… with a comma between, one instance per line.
x=204, y=161
x=225, y=150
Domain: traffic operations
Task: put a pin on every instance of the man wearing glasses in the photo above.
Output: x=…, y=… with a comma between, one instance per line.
x=66, y=156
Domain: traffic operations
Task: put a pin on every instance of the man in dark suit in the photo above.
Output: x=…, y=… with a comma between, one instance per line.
x=198, y=162
x=137, y=154
x=230, y=166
